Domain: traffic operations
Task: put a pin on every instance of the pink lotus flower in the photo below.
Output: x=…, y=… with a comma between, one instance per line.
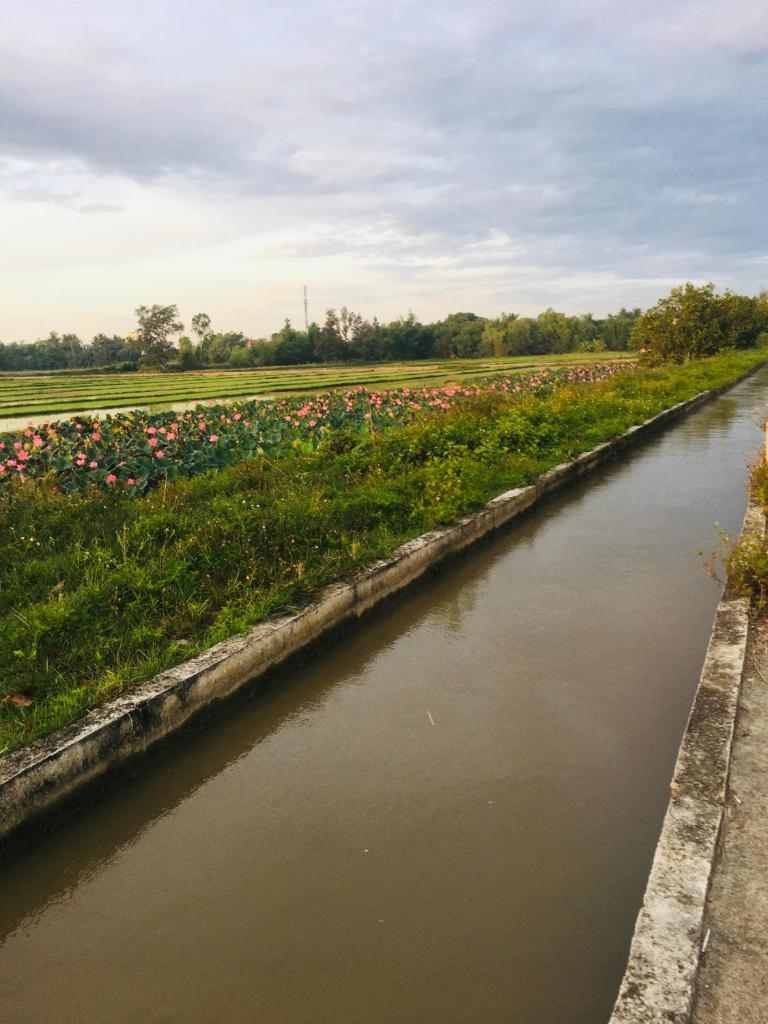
x=37, y=441
x=159, y=454
x=213, y=438
x=153, y=442
x=92, y=465
x=111, y=478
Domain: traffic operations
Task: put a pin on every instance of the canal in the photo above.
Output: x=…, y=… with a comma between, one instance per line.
x=447, y=817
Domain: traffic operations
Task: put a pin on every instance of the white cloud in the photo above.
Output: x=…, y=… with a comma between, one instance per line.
x=740, y=26
x=414, y=155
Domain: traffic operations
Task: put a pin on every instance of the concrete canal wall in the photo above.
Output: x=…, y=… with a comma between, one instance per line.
x=41, y=777
x=669, y=938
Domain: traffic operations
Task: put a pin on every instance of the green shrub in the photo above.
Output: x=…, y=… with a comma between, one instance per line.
x=694, y=322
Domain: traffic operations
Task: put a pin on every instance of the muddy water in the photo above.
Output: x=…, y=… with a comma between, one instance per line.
x=446, y=818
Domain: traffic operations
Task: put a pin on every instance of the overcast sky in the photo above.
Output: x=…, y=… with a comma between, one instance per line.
x=426, y=156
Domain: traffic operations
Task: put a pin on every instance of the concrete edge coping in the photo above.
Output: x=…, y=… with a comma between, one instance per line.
x=37, y=778
x=659, y=981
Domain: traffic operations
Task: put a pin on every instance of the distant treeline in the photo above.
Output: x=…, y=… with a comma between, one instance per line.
x=68, y=352
x=690, y=322
x=344, y=336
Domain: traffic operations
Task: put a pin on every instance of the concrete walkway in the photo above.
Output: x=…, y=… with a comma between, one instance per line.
x=732, y=983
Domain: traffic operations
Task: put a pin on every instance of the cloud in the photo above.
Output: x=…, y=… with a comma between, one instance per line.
x=416, y=141
x=739, y=27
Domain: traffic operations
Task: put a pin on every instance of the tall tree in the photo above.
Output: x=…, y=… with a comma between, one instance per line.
x=106, y=349
x=459, y=335
x=555, y=331
x=744, y=318
x=407, y=338
x=189, y=358
x=290, y=347
x=201, y=325
x=156, y=325
x=350, y=324
x=329, y=344
x=617, y=328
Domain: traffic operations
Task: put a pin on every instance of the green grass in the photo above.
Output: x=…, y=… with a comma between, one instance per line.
x=39, y=396
x=746, y=557
x=98, y=591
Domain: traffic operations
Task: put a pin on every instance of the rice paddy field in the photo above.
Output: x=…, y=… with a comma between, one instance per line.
x=33, y=396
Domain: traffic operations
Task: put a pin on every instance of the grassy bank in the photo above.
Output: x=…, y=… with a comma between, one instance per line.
x=746, y=558
x=100, y=589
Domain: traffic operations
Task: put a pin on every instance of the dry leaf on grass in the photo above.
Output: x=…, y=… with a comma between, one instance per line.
x=17, y=699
